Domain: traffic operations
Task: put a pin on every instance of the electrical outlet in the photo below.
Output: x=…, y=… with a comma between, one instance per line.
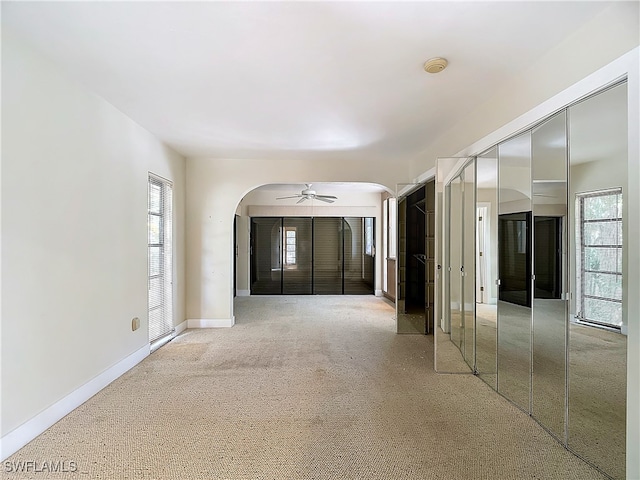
x=135, y=324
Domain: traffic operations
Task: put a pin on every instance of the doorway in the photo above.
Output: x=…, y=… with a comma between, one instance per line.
x=416, y=270
x=548, y=257
x=514, y=236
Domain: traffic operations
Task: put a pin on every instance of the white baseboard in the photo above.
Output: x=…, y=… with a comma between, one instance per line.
x=379, y=293
x=210, y=322
x=177, y=330
x=18, y=438
x=243, y=293
x=180, y=328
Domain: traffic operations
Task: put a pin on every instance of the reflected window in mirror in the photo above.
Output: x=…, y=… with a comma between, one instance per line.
x=599, y=257
x=598, y=146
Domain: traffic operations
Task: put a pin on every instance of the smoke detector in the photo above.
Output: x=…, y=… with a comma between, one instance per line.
x=435, y=65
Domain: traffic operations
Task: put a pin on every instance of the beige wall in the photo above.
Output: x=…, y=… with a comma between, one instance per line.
x=74, y=228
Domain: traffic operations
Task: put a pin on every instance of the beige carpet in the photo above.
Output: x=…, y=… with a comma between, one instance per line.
x=597, y=376
x=301, y=388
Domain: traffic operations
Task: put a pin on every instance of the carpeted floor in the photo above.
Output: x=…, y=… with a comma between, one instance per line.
x=310, y=387
x=597, y=375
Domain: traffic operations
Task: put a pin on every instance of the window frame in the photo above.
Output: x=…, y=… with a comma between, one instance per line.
x=581, y=257
x=158, y=330
x=286, y=247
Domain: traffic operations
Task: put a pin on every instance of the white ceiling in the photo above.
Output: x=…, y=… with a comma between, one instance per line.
x=295, y=79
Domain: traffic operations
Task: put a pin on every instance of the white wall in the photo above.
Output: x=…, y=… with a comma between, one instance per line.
x=488, y=197
x=74, y=225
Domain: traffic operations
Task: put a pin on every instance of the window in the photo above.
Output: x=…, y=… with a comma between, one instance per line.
x=391, y=235
x=368, y=236
x=599, y=256
x=290, y=246
x=160, y=272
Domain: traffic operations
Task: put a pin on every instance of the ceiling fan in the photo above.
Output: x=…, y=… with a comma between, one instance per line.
x=308, y=194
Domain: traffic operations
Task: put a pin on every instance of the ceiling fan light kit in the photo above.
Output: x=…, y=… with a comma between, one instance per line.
x=309, y=194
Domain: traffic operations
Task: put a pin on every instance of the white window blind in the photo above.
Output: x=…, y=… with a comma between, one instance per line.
x=368, y=236
x=160, y=257
x=392, y=213
x=290, y=244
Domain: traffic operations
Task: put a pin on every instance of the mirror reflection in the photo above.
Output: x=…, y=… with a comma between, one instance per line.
x=514, y=269
x=487, y=266
x=468, y=179
x=455, y=315
x=536, y=225
x=597, y=338
x=549, y=181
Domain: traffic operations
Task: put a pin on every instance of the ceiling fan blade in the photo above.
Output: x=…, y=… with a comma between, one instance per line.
x=328, y=197
x=301, y=200
x=293, y=196
x=323, y=198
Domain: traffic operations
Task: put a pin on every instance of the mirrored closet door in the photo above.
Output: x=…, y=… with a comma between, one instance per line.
x=455, y=265
x=531, y=239
x=514, y=269
x=487, y=266
x=598, y=171
x=549, y=163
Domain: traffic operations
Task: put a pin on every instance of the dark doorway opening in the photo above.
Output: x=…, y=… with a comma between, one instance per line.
x=514, y=258
x=548, y=257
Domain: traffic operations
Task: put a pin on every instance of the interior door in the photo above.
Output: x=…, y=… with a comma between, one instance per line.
x=453, y=308
x=481, y=256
